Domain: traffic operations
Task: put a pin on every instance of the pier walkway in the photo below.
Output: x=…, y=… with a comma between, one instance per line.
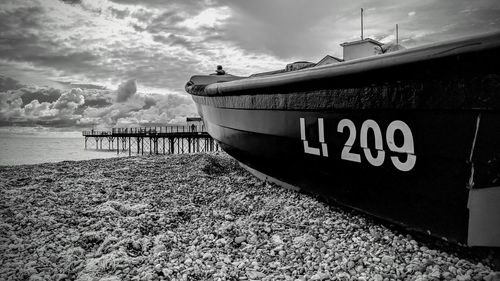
x=172, y=139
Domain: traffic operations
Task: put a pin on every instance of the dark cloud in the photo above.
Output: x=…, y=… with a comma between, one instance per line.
x=126, y=90
x=155, y=3
x=18, y=30
x=76, y=108
x=20, y=18
x=45, y=94
x=305, y=29
x=149, y=102
x=470, y=20
x=80, y=85
x=120, y=14
x=175, y=40
x=166, y=22
x=77, y=62
x=72, y=2
x=7, y=83
x=22, y=40
x=27, y=94
x=282, y=28
x=97, y=103
x=194, y=5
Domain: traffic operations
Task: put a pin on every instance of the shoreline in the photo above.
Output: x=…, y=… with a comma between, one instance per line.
x=196, y=217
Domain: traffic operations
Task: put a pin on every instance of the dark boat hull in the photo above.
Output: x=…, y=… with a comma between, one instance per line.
x=409, y=145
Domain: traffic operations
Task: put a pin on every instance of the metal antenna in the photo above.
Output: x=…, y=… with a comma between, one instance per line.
x=397, y=35
x=361, y=23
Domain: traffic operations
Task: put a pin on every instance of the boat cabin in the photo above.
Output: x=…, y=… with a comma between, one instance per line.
x=329, y=60
x=361, y=48
x=299, y=65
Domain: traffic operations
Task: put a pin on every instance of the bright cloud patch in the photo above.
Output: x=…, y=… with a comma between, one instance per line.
x=78, y=108
x=208, y=18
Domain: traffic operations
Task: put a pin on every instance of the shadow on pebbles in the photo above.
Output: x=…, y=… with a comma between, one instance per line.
x=195, y=217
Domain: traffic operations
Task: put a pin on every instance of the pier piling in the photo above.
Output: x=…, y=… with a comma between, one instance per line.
x=158, y=140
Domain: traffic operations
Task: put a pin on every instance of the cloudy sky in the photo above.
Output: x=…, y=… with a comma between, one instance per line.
x=65, y=65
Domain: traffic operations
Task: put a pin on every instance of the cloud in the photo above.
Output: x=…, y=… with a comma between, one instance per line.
x=7, y=83
x=70, y=100
x=126, y=90
x=210, y=18
x=54, y=46
x=72, y=1
x=71, y=85
x=42, y=94
x=101, y=42
x=149, y=102
x=77, y=108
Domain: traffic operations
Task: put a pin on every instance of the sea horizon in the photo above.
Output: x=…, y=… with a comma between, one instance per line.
x=38, y=148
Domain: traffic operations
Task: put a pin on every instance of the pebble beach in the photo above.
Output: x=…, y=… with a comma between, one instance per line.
x=197, y=217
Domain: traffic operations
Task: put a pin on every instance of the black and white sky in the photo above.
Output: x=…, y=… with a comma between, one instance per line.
x=65, y=65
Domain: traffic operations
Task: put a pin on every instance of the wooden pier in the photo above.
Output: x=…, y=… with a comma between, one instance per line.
x=153, y=140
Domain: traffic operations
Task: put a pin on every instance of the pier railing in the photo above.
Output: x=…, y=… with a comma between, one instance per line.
x=171, y=129
x=96, y=133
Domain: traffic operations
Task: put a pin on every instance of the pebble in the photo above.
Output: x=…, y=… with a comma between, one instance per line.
x=465, y=277
x=239, y=239
x=255, y=275
x=387, y=260
x=494, y=276
x=159, y=249
x=167, y=272
x=176, y=218
x=36, y=278
x=276, y=239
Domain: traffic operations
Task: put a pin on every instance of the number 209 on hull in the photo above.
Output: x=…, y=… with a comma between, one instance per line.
x=404, y=160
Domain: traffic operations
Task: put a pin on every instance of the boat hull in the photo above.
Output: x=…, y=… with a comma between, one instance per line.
x=430, y=197
x=409, y=138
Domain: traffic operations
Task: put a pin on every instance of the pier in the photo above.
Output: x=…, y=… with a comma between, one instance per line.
x=170, y=139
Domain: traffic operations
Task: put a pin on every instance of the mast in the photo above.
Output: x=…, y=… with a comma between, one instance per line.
x=361, y=23
x=397, y=35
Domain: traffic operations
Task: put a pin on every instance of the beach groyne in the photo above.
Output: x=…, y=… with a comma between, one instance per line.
x=196, y=217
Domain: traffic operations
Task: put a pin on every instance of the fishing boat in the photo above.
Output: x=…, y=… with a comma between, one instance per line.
x=410, y=136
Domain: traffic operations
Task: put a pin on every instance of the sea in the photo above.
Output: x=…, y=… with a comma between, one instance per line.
x=20, y=149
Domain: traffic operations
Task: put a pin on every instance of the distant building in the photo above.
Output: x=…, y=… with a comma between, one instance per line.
x=299, y=65
x=361, y=48
x=328, y=60
x=195, y=124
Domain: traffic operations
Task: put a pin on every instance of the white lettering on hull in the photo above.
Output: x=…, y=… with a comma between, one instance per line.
x=368, y=126
x=321, y=132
